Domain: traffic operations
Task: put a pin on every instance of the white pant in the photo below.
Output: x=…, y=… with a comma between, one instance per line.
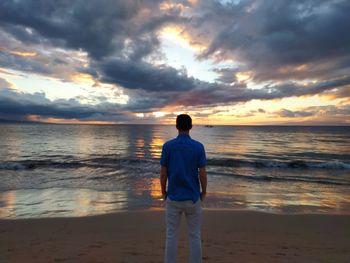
x=193, y=213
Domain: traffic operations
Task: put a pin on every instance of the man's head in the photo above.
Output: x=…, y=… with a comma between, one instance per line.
x=183, y=122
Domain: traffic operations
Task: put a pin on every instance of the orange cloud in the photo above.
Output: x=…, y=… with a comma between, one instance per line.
x=299, y=68
x=81, y=77
x=168, y=5
x=38, y=118
x=243, y=76
x=23, y=53
x=181, y=37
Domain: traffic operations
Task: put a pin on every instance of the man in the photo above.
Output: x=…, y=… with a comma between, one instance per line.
x=183, y=167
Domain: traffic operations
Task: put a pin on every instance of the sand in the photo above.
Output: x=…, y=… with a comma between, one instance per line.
x=228, y=236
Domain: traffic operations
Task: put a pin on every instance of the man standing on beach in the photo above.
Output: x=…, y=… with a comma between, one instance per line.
x=183, y=167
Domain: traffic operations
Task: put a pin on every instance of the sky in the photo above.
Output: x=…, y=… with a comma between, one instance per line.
x=240, y=62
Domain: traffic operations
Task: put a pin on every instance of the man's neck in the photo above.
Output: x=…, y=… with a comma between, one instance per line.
x=184, y=132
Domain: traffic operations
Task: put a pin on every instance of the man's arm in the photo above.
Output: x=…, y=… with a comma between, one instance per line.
x=163, y=180
x=203, y=181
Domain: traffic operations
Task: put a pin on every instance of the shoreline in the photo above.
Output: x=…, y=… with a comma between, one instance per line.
x=138, y=236
x=204, y=209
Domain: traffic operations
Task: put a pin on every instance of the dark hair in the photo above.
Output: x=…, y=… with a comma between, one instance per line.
x=183, y=122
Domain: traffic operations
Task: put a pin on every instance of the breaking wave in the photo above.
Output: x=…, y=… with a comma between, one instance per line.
x=294, y=164
x=110, y=162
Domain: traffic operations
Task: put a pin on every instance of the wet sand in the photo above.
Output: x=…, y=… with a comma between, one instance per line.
x=228, y=236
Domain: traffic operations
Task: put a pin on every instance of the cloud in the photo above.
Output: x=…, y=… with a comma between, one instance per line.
x=226, y=75
x=99, y=27
x=289, y=48
x=293, y=114
x=19, y=105
x=8, y=60
x=213, y=94
x=16, y=105
x=276, y=39
x=77, y=24
x=273, y=39
x=39, y=58
x=318, y=115
x=116, y=36
x=142, y=75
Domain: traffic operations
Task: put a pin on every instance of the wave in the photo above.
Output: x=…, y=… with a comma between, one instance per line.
x=117, y=162
x=293, y=164
x=104, y=170
x=100, y=162
x=33, y=164
x=301, y=179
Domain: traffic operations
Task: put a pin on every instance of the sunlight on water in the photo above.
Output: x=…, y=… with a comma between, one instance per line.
x=79, y=170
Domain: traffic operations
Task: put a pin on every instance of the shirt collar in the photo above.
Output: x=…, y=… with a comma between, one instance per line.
x=183, y=136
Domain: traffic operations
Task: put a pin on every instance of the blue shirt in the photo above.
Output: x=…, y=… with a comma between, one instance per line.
x=183, y=156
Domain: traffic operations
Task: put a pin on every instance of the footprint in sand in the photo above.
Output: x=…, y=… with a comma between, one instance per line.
x=60, y=259
x=98, y=244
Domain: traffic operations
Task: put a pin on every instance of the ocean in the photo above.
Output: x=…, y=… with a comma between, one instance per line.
x=55, y=170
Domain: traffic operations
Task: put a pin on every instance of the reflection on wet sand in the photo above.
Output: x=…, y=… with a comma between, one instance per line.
x=269, y=197
x=147, y=188
x=60, y=202
x=155, y=190
x=98, y=202
x=7, y=203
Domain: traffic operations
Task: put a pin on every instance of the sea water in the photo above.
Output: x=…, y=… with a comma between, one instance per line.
x=49, y=170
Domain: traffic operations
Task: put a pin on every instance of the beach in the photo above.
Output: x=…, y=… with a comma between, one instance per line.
x=227, y=236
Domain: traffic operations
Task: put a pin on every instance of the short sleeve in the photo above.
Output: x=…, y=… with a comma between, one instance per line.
x=202, y=160
x=164, y=159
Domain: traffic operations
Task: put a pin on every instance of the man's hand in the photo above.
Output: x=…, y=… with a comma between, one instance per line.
x=203, y=181
x=203, y=195
x=163, y=180
x=164, y=195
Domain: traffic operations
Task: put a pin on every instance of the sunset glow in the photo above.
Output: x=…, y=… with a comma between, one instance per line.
x=218, y=60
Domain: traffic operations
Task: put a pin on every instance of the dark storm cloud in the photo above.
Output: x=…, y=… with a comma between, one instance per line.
x=210, y=94
x=196, y=93
x=142, y=75
x=108, y=28
x=145, y=101
x=142, y=47
x=98, y=27
x=54, y=109
x=270, y=35
x=78, y=23
x=22, y=34
x=226, y=75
